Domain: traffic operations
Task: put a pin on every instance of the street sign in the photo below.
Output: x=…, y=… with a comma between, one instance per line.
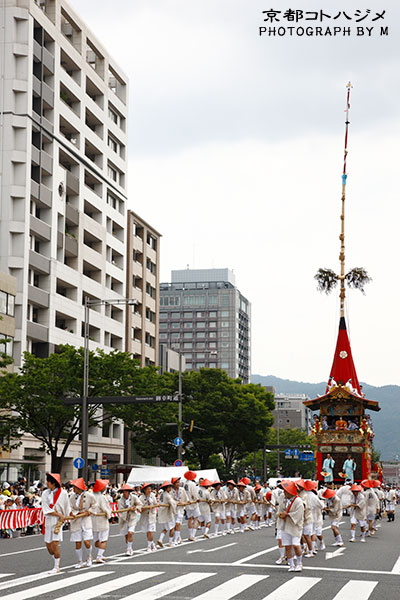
x=104, y=472
x=123, y=399
x=178, y=463
x=288, y=453
x=295, y=453
x=178, y=441
x=309, y=456
x=95, y=467
x=79, y=463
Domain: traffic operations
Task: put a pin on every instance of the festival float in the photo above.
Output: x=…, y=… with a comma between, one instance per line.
x=343, y=430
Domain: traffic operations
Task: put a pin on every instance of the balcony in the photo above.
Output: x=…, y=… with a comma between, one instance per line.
x=40, y=228
x=38, y=332
x=38, y=296
x=39, y=263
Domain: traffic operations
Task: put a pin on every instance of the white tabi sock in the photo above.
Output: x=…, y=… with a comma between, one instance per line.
x=282, y=552
x=206, y=530
x=129, y=546
x=216, y=528
x=241, y=527
x=291, y=562
x=177, y=536
x=100, y=553
x=79, y=554
x=89, y=552
x=149, y=544
x=339, y=538
x=363, y=535
x=314, y=545
x=353, y=534
x=162, y=534
x=299, y=559
x=56, y=563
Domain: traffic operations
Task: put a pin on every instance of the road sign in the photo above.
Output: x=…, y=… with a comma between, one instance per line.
x=178, y=463
x=79, y=463
x=295, y=453
x=288, y=453
x=307, y=456
x=178, y=441
x=95, y=467
x=104, y=472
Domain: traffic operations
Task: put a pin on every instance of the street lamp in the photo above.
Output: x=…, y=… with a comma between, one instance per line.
x=88, y=303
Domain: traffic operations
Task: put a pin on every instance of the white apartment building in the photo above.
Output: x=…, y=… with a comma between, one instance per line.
x=290, y=412
x=63, y=188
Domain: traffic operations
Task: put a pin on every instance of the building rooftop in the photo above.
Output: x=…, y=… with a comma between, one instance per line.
x=202, y=275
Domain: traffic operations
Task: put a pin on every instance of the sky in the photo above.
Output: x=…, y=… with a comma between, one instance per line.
x=236, y=154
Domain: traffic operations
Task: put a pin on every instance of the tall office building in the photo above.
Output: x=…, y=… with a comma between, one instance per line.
x=63, y=190
x=205, y=317
x=290, y=412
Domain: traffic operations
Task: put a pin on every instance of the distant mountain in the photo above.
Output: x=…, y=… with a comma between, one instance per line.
x=386, y=422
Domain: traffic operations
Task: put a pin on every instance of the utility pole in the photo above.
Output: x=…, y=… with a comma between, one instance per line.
x=342, y=276
x=180, y=405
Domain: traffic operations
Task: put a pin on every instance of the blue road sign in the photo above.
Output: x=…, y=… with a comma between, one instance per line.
x=104, y=472
x=295, y=453
x=178, y=441
x=308, y=456
x=79, y=463
x=178, y=463
x=95, y=467
x=288, y=453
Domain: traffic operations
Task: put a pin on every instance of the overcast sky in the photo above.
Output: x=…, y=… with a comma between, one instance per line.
x=236, y=153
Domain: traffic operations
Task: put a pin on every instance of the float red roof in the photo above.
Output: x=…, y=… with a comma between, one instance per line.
x=343, y=369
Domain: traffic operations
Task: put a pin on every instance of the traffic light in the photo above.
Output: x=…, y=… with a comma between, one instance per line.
x=191, y=426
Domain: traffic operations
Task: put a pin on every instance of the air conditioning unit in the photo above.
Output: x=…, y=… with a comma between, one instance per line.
x=112, y=82
x=90, y=56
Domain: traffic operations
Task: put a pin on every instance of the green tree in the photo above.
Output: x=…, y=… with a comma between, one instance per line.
x=36, y=395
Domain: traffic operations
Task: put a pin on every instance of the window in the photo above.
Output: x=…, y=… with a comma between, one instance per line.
x=200, y=325
x=112, y=144
x=7, y=304
x=212, y=334
x=200, y=365
x=163, y=325
x=187, y=315
x=175, y=315
x=201, y=335
x=224, y=324
x=200, y=355
x=163, y=336
x=212, y=344
x=188, y=335
x=175, y=336
x=187, y=345
x=224, y=334
x=187, y=355
x=225, y=300
x=6, y=347
x=113, y=173
x=200, y=314
x=113, y=115
x=224, y=365
x=212, y=314
x=188, y=325
x=212, y=324
x=200, y=345
x=224, y=344
x=175, y=325
x=213, y=300
x=224, y=313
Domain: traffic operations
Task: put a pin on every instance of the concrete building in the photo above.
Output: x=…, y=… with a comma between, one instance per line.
x=63, y=189
x=168, y=360
x=142, y=285
x=290, y=412
x=204, y=316
x=8, y=290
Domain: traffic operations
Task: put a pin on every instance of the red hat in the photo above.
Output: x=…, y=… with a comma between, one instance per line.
x=165, y=484
x=367, y=483
x=257, y=487
x=126, y=488
x=268, y=495
x=100, y=485
x=289, y=487
x=356, y=488
x=328, y=493
x=309, y=485
x=231, y=482
x=246, y=480
x=216, y=483
x=175, y=479
x=375, y=483
x=241, y=484
x=300, y=483
x=206, y=483
x=56, y=477
x=191, y=475
x=145, y=485
x=79, y=483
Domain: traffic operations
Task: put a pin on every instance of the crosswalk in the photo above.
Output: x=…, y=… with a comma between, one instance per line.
x=197, y=585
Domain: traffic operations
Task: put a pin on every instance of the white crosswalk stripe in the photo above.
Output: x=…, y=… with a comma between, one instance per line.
x=231, y=588
x=356, y=590
x=293, y=589
x=110, y=585
x=56, y=584
x=168, y=587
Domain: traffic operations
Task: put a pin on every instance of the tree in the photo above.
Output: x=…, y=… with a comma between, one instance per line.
x=292, y=437
x=33, y=399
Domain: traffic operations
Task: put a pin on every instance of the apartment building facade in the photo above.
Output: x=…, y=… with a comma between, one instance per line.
x=63, y=189
x=290, y=412
x=142, y=285
x=204, y=316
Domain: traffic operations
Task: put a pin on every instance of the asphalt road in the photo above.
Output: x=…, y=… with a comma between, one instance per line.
x=224, y=567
